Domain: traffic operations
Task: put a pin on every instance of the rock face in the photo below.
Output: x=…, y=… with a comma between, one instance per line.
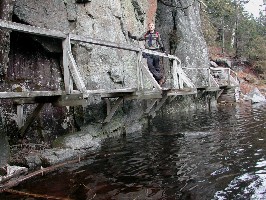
x=180, y=26
x=36, y=62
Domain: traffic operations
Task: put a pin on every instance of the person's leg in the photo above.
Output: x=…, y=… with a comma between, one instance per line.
x=155, y=73
x=156, y=63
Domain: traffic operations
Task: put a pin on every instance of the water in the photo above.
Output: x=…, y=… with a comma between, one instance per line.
x=218, y=154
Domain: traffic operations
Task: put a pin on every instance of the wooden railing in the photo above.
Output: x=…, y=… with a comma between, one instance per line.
x=71, y=70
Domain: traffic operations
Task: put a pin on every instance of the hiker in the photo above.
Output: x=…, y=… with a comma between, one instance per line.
x=153, y=42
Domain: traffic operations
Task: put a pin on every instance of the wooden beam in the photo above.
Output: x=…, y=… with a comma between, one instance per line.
x=31, y=29
x=85, y=39
x=149, y=94
x=176, y=92
x=34, y=100
x=35, y=113
x=70, y=100
x=111, y=110
x=5, y=95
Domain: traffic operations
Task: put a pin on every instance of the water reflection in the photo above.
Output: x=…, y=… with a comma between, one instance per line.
x=199, y=155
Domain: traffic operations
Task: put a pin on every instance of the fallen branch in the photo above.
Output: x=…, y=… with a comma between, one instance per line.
x=43, y=196
x=13, y=183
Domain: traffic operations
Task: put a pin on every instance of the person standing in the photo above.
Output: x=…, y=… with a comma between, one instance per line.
x=153, y=42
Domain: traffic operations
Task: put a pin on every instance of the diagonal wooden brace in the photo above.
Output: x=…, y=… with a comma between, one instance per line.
x=159, y=105
x=150, y=104
x=111, y=110
x=33, y=116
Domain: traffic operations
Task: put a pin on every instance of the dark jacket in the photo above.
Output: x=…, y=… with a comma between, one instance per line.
x=153, y=40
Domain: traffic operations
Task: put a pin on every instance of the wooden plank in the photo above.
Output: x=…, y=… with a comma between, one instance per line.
x=120, y=90
x=35, y=113
x=115, y=95
x=152, y=94
x=34, y=100
x=181, y=92
x=31, y=29
x=5, y=95
x=111, y=111
x=67, y=78
x=70, y=100
x=209, y=89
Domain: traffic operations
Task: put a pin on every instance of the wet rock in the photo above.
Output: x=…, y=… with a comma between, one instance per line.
x=181, y=33
x=12, y=171
x=255, y=96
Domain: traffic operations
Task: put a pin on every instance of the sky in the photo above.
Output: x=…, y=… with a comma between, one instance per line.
x=254, y=7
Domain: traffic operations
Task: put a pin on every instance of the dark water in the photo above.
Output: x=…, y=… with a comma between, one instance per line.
x=218, y=154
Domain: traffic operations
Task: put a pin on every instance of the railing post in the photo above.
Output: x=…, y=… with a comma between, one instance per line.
x=139, y=71
x=209, y=77
x=174, y=74
x=180, y=76
x=67, y=79
x=229, y=77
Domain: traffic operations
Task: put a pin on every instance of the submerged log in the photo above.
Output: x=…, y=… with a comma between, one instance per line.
x=17, y=181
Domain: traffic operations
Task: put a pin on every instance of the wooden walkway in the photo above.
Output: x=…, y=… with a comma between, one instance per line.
x=180, y=84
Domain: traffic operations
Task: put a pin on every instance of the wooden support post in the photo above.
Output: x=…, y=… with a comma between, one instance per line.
x=111, y=111
x=67, y=78
x=35, y=113
x=229, y=82
x=180, y=76
x=209, y=77
x=150, y=104
x=20, y=118
x=139, y=72
x=174, y=74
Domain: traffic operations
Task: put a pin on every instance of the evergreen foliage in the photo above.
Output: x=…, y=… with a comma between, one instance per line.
x=226, y=25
